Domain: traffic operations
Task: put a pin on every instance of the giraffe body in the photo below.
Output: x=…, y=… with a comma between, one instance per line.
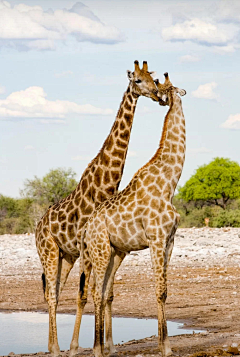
x=56, y=233
x=140, y=216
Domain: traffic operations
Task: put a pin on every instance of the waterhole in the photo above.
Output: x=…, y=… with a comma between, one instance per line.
x=27, y=332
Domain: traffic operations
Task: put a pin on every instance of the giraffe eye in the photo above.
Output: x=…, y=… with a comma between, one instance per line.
x=138, y=81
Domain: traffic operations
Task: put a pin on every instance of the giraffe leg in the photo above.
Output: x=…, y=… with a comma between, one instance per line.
x=52, y=300
x=101, y=289
x=117, y=258
x=170, y=242
x=159, y=262
x=81, y=302
x=51, y=262
x=50, y=337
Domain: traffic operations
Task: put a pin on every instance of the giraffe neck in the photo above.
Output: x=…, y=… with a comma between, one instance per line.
x=103, y=175
x=167, y=163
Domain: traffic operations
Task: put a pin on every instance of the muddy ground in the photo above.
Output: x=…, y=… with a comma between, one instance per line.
x=204, y=296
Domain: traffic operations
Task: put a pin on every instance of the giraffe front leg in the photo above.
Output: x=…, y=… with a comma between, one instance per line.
x=81, y=302
x=159, y=262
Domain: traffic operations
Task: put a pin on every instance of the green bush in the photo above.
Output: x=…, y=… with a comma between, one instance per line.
x=218, y=217
x=227, y=218
x=196, y=217
x=15, y=217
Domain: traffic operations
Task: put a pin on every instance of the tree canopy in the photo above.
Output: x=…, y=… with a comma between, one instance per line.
x=215, y=183
x=54, y=186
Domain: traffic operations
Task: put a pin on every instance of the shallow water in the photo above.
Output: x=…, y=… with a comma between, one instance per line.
x=27, y=332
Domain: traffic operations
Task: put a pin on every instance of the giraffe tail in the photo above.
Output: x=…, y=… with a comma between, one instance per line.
x=44, y=283
x=82, y=278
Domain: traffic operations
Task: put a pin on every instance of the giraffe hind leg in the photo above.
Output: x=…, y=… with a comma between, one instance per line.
x=116, y=258
x=159, y=262
x=103, y=296
x=81, y=301
x=102, y=271
x=51, y=262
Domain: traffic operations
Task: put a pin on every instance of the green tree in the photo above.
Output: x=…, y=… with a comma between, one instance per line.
x=213, y=184
x=54, y=186
x=15, y=215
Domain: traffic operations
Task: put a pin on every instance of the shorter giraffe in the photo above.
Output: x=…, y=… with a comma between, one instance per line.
x=141, y=216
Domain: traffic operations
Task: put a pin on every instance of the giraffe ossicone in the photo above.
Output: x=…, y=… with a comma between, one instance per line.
x=141, y=216
x=56, y=232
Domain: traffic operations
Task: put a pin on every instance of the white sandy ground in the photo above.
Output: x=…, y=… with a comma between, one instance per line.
x=198, y=247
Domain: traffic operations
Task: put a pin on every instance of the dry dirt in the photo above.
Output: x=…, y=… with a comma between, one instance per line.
x=201, y=296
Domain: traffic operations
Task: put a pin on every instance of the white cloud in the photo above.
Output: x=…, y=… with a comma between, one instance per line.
x=222, y=50
x=32, y=103
x=229, y=11
x=30, y=27
x=28, y=147
x=2, y=90
x=63, y=74
x=201, y=150
x=233, y=122
x=189, y=58
x=205, y=91
x=199, y=31
x=81, y=158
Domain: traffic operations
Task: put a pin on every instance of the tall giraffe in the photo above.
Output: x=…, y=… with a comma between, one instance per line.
x=140, y=216
x=56, y=233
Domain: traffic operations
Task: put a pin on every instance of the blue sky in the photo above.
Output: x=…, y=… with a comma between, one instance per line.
x=63, y=74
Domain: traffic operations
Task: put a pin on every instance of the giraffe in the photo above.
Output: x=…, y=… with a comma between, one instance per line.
x=56, y=232
x=141, y=216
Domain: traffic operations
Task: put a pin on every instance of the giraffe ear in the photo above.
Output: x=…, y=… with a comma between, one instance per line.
x=130, y=75
x=182, y=92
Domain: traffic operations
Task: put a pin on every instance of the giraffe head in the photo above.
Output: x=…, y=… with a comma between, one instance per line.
x=142, y=82
x=165, y=88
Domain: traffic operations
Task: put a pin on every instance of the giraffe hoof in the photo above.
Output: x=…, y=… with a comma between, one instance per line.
x=110, y=350
x=55, y=352
x=168, y=352
x=74, y=351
